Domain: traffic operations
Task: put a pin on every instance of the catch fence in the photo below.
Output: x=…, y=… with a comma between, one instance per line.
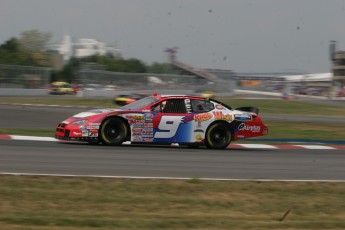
x=24, y=77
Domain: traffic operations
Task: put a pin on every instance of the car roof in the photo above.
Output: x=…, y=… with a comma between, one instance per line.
x=59, y=83
x=181, y=97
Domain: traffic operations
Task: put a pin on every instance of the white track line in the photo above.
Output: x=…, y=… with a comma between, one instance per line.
x=315, y=147
x=32, y=138
x=258, y=146
x=164, y=178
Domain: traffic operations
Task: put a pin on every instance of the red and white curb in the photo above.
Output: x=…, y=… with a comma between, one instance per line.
x=235, y=146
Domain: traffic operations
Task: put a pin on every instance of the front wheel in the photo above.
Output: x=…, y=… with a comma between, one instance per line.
x=218, y=136
x=113, y=131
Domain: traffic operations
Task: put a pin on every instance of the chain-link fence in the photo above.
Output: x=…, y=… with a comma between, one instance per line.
x=100, y=79
x=24, y=80
x=24, y=77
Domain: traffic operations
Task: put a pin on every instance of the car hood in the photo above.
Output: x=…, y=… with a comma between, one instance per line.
x=93, y=113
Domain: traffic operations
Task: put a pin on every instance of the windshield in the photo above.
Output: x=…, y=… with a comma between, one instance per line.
x=142, y=103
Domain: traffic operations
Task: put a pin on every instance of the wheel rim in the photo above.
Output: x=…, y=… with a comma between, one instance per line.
x=112, y=132
x=219, y=136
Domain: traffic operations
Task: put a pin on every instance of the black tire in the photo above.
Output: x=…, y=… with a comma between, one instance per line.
x=113, y=131
x=218, y=136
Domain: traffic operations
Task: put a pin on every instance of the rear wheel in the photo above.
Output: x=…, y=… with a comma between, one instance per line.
x=218, y=136
x=113, y=131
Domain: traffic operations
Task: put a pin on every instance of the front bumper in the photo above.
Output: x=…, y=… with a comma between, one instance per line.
x=73, y=133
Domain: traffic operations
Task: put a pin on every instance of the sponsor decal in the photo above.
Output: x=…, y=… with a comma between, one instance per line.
x=243, y=117
x=134, y=117
x=199, y=130
x=129, y=117
x=93, y=133
x=251, y=128
x=137, y=138
x=92, y=127
x=148, y=115
x=77, y=133
x=131, y=121
x=94, y=124
x=137, y=130
x=139, y=117
x=138, y=126
x=221, y=116
x=84, y=133
x=198, y=138
x=147, y=139
x=220, y=107
x=147, y=132
x=202, y=117
x=139, y=121
x=148, y=125
x=136, y=134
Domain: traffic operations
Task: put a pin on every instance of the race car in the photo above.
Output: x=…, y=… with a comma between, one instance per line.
x=165, y=119
x=60, y=88
x=125, y=99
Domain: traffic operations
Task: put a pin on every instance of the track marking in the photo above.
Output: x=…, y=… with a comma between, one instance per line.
x=315, y=147
x=166, y=178
x=258, y=146
x=32, y=138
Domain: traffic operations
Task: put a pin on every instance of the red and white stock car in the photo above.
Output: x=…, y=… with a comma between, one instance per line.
x=165, y=119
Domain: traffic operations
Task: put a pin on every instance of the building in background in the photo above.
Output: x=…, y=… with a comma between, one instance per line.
x=84, y=47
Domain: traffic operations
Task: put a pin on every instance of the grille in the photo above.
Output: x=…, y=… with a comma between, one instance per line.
x=67, y=133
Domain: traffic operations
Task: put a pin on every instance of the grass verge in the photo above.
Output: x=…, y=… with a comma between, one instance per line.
x=287, y=107
x=87, y=203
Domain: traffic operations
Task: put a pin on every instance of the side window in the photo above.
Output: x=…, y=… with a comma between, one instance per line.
x=157, y=108
x=174, y=106
x=200, y=106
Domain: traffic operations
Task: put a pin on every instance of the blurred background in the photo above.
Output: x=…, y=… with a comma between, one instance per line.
x=286, y=50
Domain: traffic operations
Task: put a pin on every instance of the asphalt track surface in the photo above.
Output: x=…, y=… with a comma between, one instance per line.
x=170, y=162
x=160, y=162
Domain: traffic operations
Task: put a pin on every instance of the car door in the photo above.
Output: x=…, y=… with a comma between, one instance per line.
x=169, y=119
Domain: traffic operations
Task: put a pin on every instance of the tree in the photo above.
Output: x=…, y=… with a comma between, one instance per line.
x=34, y=44
x=10, y=53
x=34, y=40
x=165, y=68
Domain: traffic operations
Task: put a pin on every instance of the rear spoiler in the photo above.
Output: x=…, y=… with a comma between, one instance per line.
x=249, y=109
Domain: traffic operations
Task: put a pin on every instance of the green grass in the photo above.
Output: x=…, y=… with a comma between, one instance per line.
x=90, y=203
x=60, y=100
x=286, y=107
x=304, y=130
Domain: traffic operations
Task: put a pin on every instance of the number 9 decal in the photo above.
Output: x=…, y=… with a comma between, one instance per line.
x=168, y=126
